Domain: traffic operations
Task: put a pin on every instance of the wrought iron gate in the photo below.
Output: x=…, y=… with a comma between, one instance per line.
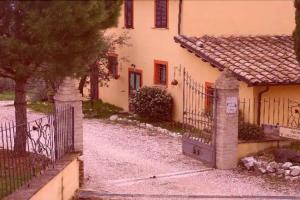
x=199, y=102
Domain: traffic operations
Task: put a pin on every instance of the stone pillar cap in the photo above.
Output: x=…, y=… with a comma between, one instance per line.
x=227, y=81
x=67, y=91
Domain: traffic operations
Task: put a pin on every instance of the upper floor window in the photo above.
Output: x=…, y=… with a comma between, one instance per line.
x=161, y=13
x=128, y=13
x=113, y=64
x=160, y=72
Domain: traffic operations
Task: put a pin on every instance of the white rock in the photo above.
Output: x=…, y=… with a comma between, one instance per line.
x=80, y=158
x=280, y=171
x=262, y=170
x=295, y=178
x=270, y=169
x=149, y=126
x=249, y=162
x=113, y=117
x=143, y=125
x=248, y=166
x=165, y=131
x=295, y=167
x=279, y=175
x=273, y=164
x=287, y=172
x=287, y=165
x=287, y=177
x=295, y=171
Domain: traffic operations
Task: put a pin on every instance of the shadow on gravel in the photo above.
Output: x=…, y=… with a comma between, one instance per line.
x=87, y=195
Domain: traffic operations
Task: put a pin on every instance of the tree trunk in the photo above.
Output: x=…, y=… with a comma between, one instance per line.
x=20, y=116
x=94, y=79
x=82, y=83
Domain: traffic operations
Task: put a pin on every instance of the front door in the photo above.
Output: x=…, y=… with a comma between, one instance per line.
x=135, y=83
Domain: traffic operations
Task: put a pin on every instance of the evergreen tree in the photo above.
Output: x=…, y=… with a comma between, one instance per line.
x=50, y=39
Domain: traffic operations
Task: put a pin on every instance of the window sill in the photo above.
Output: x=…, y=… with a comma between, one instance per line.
x=160, y=86
x=160, y=28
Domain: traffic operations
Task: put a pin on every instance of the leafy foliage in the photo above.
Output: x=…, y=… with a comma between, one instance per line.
x=52, y=37
x=249, y=131
x=6, y=84
x=153, y=103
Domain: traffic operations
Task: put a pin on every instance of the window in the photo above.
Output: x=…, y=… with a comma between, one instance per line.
x=128, y=13
x=160, y=72
x=209, y=96
x=113, y=64
x=161, y=13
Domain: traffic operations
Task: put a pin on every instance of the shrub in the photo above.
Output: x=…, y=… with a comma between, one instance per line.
x=153, y=103
x=6, y=84
x=249, y=131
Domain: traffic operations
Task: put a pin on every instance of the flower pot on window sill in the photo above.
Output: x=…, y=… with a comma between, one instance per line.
x=174, y=82
x=116, y=77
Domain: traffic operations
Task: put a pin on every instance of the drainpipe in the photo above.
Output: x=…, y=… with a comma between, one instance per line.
x=259, y=103
x=179, y=17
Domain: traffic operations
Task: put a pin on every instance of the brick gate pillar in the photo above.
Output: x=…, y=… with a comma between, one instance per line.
x=227, y=88
x=68, y=94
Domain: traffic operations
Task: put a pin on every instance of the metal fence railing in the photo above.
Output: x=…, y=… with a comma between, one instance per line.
x=268, y=113
x=28, y=149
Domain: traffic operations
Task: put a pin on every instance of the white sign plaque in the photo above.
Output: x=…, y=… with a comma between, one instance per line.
x=231, y=105
x=289, y=133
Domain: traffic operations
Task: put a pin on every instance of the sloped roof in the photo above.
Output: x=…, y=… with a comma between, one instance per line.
x=256, y=60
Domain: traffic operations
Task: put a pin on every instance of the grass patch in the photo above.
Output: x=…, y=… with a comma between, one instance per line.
x=7, y=95
x=169, y=125
x=43, y=107
x=99, y=109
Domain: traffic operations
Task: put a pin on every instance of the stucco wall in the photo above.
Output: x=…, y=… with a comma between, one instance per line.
x=216, y=17
x=242, y=17
x=251, y=148
x=63, y=186
x=58, y=182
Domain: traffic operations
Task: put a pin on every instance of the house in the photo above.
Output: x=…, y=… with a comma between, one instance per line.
x=250, y=38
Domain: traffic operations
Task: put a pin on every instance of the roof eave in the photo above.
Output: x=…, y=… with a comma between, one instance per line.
x=221, y=67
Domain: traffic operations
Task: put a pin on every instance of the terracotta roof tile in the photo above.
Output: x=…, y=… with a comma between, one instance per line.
x=257, y=60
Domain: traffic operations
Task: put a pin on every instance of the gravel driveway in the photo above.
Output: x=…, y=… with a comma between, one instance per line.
x=124, y=161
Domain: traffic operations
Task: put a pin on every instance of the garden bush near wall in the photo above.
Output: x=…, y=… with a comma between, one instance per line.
x=248, y=131
x=6, y=84
x=153, y=103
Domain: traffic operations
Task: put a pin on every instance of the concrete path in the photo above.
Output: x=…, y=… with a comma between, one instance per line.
x=126, y=162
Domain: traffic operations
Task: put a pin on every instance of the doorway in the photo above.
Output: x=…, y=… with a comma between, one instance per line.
x=135, y=83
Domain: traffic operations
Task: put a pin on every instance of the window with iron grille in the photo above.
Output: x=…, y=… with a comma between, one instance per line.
x=161, y=73
x=128, y=13
x=113, y=65
x=161, y=13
